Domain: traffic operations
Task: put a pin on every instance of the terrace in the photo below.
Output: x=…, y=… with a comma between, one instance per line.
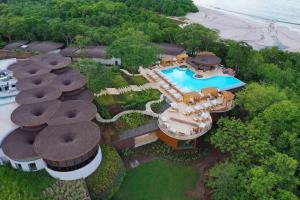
x=192, y=99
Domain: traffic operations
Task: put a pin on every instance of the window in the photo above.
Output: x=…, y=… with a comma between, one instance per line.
x=18, y=166
x=32, y=167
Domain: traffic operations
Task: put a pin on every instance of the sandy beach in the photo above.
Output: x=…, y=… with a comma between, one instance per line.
x=257, y=33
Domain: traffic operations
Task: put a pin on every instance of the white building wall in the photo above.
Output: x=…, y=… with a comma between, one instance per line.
x=111, y=61
x=79, y=173
x=25, y=165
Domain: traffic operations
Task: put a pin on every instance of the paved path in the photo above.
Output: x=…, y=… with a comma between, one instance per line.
x=148, y=111
x=128, y=73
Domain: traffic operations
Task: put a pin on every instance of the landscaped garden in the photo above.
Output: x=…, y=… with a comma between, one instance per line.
x=18, y=185
x=110, y=105
x=106, y=180
x=159, y=180
x=100, y=76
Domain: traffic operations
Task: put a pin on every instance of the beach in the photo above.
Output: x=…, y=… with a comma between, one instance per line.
x=258, y=33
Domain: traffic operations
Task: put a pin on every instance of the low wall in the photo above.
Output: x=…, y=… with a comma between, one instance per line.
x=79, y=173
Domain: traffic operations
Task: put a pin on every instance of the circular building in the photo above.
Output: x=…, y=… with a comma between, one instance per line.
x=18, y=148
x=52, y=61
x=66, y=71
x=73, y=112
x=34, y=116
x=30, y=71
x=21, y=65
x=70, y=151
x=84, y=95
x=37, y=95
x=35, y=82
x=204, y=62
x=69, y=83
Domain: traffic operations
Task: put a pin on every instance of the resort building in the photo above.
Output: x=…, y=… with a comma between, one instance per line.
x=96, y=53
x=198, y=91
x=51, y=126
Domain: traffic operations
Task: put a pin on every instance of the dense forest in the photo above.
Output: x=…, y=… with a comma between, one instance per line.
x=261, y=135
x=166, y=7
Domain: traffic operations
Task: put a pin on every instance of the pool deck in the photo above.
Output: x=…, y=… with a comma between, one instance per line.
x=183, y=121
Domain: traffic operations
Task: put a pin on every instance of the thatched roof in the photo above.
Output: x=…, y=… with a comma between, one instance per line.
x=73, y=112
x=228, y=95
x=67, y=142
x=204, y=61
x=52, y=61
x=30, y=71
x=210, y=91
x=69, y=51
x=37, y=95
x=35, y=81
x=92, y=52
x=18, y=145
x=31, y=115
x=21, y=65
x=15, y=45
x=69, y=82
x=84, y=95
x=171, y=49
x=44, y=47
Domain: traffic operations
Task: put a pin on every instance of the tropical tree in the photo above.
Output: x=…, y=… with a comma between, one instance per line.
x=197, y=38
x=135, y=50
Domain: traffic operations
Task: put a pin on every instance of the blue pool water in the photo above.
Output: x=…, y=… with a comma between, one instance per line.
x=184, y=78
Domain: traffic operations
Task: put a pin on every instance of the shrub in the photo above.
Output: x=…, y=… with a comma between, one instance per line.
x=19, y=185
x=105, y=181
x=130, y=121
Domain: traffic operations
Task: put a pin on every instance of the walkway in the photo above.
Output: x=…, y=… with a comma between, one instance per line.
x=130, y=88
x=148, y=111
x=129, y=74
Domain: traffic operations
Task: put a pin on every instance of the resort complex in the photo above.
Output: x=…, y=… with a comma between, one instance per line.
x=149, y=100
x=53, y=118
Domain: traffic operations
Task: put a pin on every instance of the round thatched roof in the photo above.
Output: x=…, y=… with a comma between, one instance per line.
x=35, y=82
x=73, y=112
x=21, y=65
x=84, y=95
x=67, y=142
x=210, y=91
x=69, y=82
x=18, y=145
x=229, y=96
x=31, y=115
x=52, y=61
x=204, y=60
x=66, y=71
x=37, y=95
x=30, y=71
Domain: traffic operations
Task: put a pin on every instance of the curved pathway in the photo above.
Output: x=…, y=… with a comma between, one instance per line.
x=128, y=73
x=148, y=111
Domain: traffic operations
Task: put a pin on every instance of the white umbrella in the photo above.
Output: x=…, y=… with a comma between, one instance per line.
x=202, y=125
x=174, y=105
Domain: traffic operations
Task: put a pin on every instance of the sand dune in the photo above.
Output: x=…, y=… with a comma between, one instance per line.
x=258, y=34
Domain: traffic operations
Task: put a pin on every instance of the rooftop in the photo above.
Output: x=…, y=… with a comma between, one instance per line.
x=171, y=49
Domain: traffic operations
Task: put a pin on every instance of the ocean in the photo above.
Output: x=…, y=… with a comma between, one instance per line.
x=282, y=11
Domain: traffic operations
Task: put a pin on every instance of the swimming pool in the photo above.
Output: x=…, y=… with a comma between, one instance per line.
x=185, y=79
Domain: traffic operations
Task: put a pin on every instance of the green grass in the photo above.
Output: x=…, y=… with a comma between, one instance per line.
x=136, y=80
x=18, y=185
x=159, y=180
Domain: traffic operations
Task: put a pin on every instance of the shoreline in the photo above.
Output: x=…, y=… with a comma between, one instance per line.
x=258, y=33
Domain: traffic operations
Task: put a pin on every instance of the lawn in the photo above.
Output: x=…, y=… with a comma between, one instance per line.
x=159, y=180
x=18, y=185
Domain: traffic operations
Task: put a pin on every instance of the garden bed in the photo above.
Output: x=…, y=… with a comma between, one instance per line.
x=106, y=180
x=100, y=77
x=110, y=105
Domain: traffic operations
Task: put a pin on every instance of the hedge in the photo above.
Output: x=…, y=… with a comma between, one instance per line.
x=106, y=180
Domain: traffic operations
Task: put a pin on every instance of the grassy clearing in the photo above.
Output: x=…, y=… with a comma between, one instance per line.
x=159, y=180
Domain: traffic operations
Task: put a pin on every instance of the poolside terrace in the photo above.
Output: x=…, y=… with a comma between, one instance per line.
x=189, y=115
